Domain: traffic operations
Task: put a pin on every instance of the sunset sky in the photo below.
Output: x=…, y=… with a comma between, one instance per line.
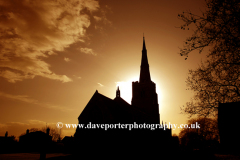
x=54, y=54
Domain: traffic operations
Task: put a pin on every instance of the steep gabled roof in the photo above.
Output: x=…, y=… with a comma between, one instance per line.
x=101, y=109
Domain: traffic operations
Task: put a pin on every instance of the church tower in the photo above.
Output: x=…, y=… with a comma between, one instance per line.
x=144, y=94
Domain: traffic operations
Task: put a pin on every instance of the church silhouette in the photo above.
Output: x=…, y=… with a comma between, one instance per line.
x=144, y=109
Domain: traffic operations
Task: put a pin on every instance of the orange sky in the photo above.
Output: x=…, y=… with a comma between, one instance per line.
x=55, y=54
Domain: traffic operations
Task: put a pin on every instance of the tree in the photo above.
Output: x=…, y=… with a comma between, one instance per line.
x=206, y=135
x=217, y=80
x=53, y=132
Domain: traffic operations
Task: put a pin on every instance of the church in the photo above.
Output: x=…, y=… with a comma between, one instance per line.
x=144, y=109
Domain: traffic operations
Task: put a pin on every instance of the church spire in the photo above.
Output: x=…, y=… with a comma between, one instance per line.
x=118, y=92
x=144, y=46
x=144, y=72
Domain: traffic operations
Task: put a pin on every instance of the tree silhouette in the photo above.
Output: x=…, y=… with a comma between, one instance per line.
x=217, y=80
x=53, y=132
x=202, y=137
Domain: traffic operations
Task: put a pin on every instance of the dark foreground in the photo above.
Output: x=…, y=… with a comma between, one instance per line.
x=106, y=155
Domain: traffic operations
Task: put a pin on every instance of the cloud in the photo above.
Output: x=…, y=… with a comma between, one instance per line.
x=102, y=20
x=77, y=77
x=87, y=51
x=66, y=59
x=38, y=122
x=100, y=84
x=3, y=125
x=23, y=98
x=97, y=18
x=31, y=31
x=27, y=99
x=13, y=76
x=17, y=123
x=31, y=122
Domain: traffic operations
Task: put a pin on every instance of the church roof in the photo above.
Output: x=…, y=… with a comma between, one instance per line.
x=101, y=109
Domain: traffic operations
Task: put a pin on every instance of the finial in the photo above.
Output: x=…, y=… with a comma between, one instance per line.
x=144, y=46
x=6, y=134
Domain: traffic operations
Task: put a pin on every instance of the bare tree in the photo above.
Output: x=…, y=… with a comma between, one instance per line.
x=200, y=137
x=53, y=132
x=217, y=80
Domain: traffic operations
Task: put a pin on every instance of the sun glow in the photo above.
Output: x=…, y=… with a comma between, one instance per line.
x=125, y=88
